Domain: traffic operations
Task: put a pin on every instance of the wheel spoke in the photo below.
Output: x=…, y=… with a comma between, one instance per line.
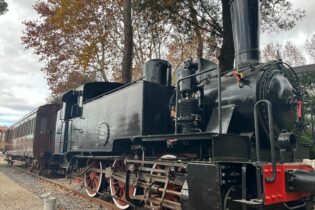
x=93, y=179
x=124, y=195
x=95, y=182
x=117, y=190
x=117, y=187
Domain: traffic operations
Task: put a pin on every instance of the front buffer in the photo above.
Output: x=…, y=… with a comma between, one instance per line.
x=240, y=186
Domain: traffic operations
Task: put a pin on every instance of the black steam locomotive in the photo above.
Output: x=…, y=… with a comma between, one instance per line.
x=215, y=141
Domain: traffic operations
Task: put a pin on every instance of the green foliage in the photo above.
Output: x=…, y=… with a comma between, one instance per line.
x=279, y=15
x=308, y=82
x=310, y=47
x=3, y=7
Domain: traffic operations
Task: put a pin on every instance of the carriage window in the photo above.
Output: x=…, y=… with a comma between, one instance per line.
x=33, y=125
x=30, y=127
x=18, y=131
x=43, y=125
x=23, y=129
x=27, y=127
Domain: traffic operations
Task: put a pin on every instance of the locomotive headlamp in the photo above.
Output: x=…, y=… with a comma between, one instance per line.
x=287, y=141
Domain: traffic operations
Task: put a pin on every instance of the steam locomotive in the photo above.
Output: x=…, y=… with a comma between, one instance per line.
x=216, y=141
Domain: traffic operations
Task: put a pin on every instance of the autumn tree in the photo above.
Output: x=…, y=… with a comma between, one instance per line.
x=191, y=23
x=289, y=53
x=72, y=38
x=214, y=19
x=179, y=51
x=128, y=43
x=310, y=47
x=81, y=41
x=271, y=52
x=293, y=54
x=3, y=7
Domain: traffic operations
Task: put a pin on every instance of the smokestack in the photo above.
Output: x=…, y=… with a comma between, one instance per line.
x=245, y=15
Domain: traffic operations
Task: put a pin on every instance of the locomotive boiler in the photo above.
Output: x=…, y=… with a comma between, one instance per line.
x=216, y=141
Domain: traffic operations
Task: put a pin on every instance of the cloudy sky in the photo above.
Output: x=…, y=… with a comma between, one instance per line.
x=22, y=85
x=303, y=30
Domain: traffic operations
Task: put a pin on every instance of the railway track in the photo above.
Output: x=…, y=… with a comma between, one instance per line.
x=96, y=201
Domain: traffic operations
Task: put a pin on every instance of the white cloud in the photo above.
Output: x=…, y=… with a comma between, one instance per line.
x=302, y=31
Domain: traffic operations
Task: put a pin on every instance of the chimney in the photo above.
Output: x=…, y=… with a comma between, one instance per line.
x=245, y=15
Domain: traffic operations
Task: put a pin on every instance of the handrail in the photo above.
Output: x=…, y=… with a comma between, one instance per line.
x=312, y=123
x=219, y=101
x=271, y=138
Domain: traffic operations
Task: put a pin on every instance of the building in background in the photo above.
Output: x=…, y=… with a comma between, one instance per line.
x=306, y=69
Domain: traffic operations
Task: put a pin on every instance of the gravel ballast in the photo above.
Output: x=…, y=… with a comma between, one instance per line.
x=42, y=190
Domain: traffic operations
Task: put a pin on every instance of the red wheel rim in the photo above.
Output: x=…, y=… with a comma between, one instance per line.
x=170, y=186
x=117, y=188
x=93, y=179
